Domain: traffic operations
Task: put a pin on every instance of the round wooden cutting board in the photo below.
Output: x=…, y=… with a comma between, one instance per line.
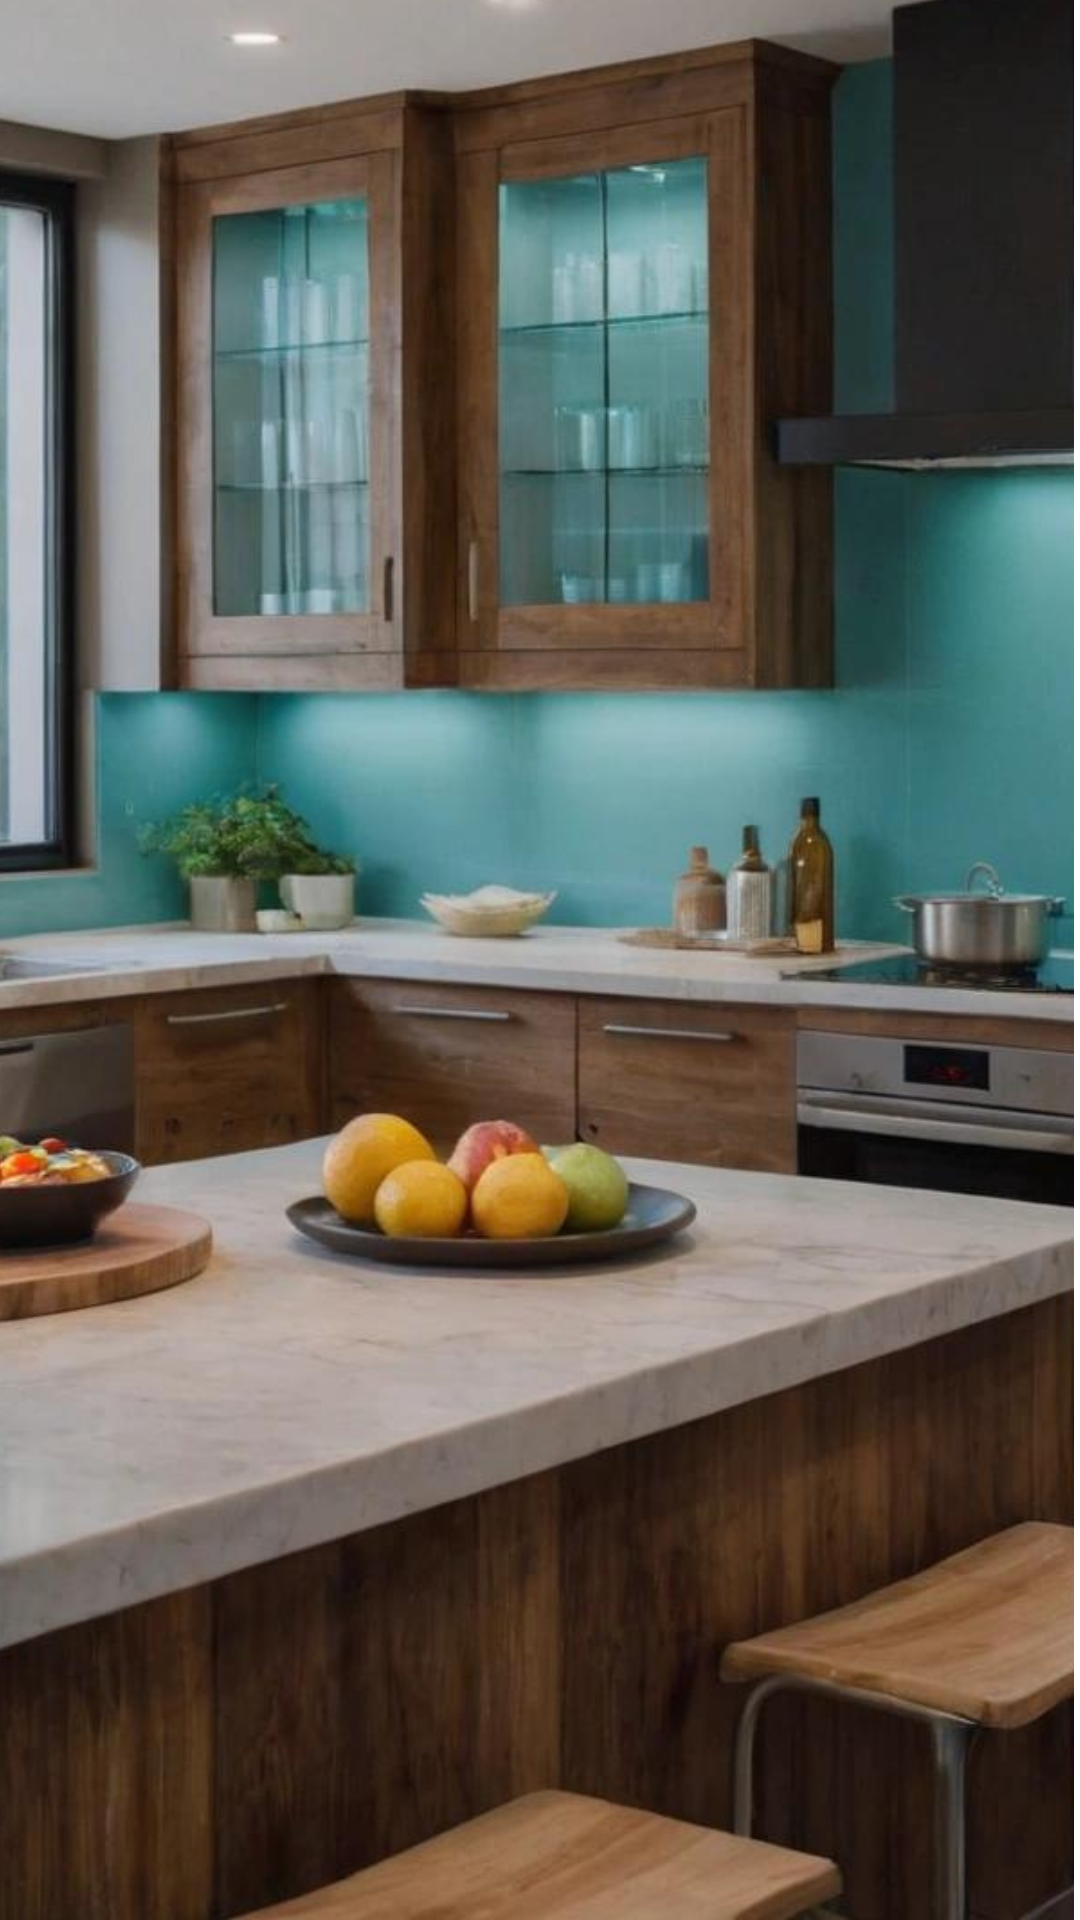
x=137, y=1250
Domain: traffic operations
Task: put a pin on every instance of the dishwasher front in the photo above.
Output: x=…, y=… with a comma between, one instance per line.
x=79, y=1085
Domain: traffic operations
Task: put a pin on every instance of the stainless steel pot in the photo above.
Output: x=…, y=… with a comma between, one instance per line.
x=991, y=929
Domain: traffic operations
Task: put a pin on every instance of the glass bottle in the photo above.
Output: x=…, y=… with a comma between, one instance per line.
x=750, y=892
x=812, y=885
x=699, y=896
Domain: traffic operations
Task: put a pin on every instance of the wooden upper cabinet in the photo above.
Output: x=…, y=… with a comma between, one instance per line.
x=479, y=391
x=644, y=284
x=314, y=449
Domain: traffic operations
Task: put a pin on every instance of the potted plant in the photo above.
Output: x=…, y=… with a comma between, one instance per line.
x=225, y=847
x=320, y=888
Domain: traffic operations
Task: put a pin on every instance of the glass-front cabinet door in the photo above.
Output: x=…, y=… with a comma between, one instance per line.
x=609, y=394
x=604, y=387
x=289, y=487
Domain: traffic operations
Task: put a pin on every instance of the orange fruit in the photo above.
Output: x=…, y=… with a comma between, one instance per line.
x=359, y=1158
x=422, y=1198
x=519, y=1198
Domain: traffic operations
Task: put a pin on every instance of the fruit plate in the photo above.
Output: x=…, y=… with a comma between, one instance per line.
x=652, y=1214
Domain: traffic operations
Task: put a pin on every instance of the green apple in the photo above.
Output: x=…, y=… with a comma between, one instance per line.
x=598, y=1187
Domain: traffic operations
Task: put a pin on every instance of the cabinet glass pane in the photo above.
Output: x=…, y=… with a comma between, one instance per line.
x=290, y=410
x=604, y=386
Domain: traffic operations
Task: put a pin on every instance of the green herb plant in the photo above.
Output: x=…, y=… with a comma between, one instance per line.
x=251, y=835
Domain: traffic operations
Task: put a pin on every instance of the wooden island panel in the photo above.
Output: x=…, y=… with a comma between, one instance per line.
x=210, y=1753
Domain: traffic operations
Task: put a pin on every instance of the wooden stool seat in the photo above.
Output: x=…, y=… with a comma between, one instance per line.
x=557, y=1856
x=986, y=1634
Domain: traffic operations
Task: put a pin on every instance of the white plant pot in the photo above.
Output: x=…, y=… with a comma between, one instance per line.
x=222, y=904
x=323, y=901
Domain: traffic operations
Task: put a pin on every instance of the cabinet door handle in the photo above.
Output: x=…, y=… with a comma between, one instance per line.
x=388, y=588
x=452, y=1013
x=671, y=1033
x=473, y=579
x=230, y=1013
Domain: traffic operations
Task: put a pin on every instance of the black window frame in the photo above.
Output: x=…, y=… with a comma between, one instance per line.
x=55, y=200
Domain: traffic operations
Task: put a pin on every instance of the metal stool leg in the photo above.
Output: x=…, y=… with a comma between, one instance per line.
x=743, y=1811
x=950, y=1860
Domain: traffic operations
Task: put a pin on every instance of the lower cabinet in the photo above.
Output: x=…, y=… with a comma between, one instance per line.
x=445, y=1056
x=713, y=1085
x=226, y=1069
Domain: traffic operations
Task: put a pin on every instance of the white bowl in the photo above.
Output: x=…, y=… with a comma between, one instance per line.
x=491, y=913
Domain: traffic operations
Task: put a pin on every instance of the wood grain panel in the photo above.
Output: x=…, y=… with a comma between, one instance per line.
x=428, y=1052
x=719, y=1092
x=997, y=1030
x=227, y=1069
x=106, y=1776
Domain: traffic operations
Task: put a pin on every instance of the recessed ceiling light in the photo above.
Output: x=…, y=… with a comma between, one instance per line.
x=255, y=39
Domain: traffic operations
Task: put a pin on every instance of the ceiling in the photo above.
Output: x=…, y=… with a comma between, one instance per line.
x=120, y=67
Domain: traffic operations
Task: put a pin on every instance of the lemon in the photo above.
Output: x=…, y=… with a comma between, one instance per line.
x=519, y=1198
x=422, y=1198
x=359, y=1158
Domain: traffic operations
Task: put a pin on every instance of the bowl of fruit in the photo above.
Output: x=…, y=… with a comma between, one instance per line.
x=52, y=1193
x=500, y=1200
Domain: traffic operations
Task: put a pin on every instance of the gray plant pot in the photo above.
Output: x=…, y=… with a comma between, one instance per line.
x=222, y=904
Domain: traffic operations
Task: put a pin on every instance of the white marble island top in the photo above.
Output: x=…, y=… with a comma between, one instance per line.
x=579, y=960
x=288, y=1397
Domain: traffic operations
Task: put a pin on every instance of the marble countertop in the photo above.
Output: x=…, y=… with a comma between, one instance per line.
x=288, y=1397
x=554, y=959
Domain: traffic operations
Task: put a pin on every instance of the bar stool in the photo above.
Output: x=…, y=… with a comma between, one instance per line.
x=559, y=1856
x=983, y=1639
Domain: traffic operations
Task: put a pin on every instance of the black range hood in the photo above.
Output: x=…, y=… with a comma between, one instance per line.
x=983, y=181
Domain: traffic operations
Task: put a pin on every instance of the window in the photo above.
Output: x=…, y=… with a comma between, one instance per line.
x=36, y=482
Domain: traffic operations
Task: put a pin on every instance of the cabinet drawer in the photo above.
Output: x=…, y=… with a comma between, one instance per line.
x=227, y=1069
x=446, y=1056
x=712, y=1085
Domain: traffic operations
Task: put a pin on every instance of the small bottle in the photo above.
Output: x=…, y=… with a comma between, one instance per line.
x=811, y=863
x=750, y=892
x=699, y=896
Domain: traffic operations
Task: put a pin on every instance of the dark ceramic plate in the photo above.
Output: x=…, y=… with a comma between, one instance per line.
x=55, y=1216
x=653, y=1214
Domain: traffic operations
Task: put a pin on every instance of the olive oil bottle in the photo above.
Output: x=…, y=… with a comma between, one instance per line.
x=812, y=883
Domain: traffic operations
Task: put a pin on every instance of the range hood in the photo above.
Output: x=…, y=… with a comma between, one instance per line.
x=983, y=181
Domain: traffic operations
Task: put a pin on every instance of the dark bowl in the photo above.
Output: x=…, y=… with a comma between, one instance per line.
x=57, y=1216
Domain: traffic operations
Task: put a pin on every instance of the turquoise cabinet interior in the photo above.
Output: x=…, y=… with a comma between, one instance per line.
x=290, y=410
x=604, y=386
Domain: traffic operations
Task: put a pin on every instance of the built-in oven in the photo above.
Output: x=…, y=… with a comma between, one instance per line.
x=962, y=1119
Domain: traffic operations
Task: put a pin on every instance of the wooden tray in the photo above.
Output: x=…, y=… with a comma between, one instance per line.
x=138, y=1250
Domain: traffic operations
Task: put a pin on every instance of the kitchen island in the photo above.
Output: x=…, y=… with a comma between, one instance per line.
x=306, y=1559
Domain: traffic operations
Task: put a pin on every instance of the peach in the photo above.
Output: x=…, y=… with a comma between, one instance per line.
x=484, y=1143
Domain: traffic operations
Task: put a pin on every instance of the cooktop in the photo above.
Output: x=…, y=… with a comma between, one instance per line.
x=906, y=970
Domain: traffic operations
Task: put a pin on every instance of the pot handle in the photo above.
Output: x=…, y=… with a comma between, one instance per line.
x=1057, y=907
x=983, y=866
x=906, y=902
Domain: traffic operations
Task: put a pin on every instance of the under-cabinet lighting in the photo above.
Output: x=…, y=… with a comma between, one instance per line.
x=255, y=39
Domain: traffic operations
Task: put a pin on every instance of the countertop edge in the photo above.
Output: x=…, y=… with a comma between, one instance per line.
x=524, y=1440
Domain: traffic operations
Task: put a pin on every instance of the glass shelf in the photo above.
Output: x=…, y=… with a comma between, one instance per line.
x=604, y=443
x=679, y=472
x=290, y=346
x=290, y=486
x=691, y=316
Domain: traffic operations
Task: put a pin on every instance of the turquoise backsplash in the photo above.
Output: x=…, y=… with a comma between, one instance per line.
x=946, y=740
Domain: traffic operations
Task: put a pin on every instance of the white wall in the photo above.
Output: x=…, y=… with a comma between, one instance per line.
x=122, y=605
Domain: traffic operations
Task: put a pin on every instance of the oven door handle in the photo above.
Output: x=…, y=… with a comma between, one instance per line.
x=1045, y=1133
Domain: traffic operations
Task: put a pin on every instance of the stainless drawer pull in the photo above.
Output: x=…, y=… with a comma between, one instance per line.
x=8, y=1047
x=231, y=1013
x=671, y=1033
x=451, y=1013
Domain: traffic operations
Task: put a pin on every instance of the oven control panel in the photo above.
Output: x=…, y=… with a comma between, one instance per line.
x=1026, y=1079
